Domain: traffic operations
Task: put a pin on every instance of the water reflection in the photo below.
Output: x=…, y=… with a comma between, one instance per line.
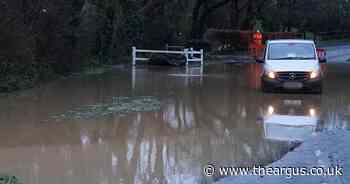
x=291, y=118
x=218, y=118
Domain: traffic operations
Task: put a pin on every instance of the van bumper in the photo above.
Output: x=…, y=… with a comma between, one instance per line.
x=310, y=85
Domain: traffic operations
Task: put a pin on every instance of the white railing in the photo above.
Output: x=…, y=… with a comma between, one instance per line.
x=188, y=53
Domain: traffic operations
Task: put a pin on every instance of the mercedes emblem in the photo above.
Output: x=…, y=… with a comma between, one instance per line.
x=292, y=76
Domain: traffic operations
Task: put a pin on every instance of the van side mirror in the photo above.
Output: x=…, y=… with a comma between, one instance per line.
x=260, y=60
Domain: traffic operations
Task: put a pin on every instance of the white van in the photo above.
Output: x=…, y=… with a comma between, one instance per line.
x=291, y=65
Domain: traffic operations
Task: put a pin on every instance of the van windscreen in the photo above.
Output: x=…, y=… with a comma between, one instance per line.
x=288, y=51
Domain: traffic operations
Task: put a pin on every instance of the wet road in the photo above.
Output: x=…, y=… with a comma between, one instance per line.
x=219, y=117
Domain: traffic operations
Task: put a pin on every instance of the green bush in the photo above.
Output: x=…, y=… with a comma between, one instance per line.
x=16, y=75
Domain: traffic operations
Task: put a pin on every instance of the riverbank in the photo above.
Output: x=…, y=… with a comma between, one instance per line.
x=328, y=149
x=19, y=76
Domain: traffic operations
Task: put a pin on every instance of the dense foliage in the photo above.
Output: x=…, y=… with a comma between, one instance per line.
x=64, y=35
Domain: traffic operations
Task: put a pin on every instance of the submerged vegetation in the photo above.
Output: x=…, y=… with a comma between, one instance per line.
x=7, y=179
x=119, y=105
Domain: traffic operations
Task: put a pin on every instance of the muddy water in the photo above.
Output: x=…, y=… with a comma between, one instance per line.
x=218, y=117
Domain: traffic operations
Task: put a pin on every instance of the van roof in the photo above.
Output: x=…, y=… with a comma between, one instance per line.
x=291, y=41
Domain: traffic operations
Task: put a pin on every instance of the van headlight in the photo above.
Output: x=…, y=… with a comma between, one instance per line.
x=314, y=74
x=270, y=110
x=271, y=75
x=312, y=112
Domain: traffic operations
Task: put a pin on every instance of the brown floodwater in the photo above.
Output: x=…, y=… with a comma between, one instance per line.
x=219, y=116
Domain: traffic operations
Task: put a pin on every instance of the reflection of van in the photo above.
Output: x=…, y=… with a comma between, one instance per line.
x=291, y=65
x=289, y=128
x=291, y=119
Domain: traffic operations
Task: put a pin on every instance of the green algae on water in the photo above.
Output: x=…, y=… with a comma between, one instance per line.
x=119, y=105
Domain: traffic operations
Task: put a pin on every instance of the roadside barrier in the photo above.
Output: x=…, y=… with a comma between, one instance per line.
x=190, y=55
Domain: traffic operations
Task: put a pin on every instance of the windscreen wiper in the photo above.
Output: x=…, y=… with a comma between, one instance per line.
x=306, y=58
x=284, y=58
x=291, y=58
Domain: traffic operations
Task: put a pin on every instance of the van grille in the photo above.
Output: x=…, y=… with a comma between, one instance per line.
x=293, y=76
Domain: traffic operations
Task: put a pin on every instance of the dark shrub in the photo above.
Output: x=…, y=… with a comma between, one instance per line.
x=199, y=44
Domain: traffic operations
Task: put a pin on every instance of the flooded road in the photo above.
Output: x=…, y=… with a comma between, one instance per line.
x=217, y=117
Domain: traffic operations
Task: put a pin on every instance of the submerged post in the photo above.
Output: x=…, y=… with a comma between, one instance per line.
x=133, y=56
x=202, y=73
x=191, y=49
x=133, y=78
x=186, y=56
x=202, y=57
